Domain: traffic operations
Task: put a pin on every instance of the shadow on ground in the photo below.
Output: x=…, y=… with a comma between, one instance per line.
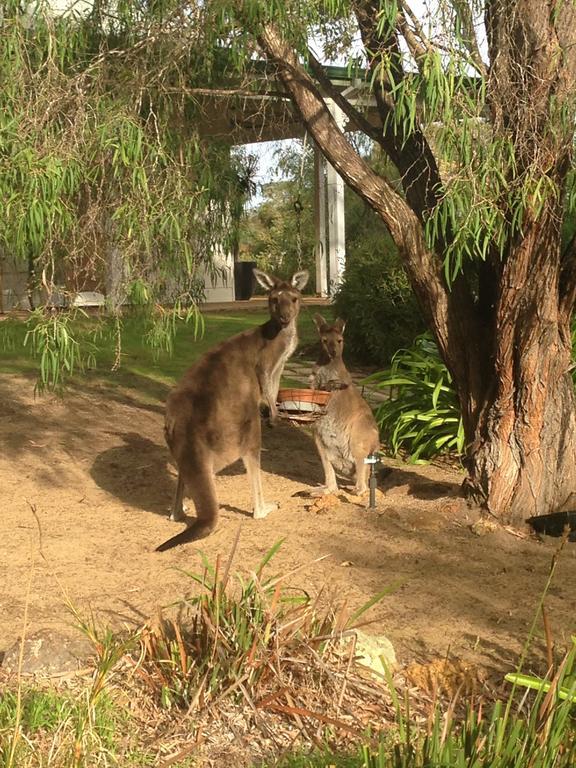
x=418, y=486
x=140, y=472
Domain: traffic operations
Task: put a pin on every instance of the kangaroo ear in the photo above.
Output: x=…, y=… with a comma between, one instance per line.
x=266, y=281
x=319, y=322
x=340, y=324
x=300, y=279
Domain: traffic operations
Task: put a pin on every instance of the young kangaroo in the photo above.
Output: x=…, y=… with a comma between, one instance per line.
x=348, y=432
x=213, y=416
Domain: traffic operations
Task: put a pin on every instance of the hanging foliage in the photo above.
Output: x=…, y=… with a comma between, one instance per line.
x=105, y=183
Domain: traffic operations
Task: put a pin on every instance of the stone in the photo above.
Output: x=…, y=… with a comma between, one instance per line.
x=373, y=650
x=48, y=652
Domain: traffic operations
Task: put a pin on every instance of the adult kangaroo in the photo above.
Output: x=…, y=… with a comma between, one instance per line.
x=348, y=432
x=213, y=414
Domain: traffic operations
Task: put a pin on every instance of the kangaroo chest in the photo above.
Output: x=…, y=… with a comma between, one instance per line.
x=291, y=346
x=286, y=347
x=333, y=430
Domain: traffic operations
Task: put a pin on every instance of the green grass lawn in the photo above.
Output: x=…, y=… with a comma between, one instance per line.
x=142, y=369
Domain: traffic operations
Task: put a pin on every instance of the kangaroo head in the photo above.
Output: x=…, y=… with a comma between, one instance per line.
x=283, y=296
x=331, y=336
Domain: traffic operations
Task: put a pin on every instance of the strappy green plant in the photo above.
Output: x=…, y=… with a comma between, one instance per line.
x=422, y=414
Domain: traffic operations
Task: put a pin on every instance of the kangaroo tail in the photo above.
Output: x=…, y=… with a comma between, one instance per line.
x=198, y=530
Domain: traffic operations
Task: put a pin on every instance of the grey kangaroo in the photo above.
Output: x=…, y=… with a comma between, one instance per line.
x=213, y=414
x=348, y=432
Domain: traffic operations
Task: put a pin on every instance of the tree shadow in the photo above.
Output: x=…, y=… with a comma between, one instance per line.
x=419, y=486
x=136, y=473
x=28, y=423
x=236, y=510
x=463, y=577
x=127, y=388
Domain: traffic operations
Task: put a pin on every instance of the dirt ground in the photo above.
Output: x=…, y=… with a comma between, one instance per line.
x=95, y=468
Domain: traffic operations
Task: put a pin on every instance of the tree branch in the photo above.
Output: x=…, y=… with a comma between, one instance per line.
x=410, y=153
x=328, y=136
x=469, y=39
x=417, y=42
x=349, y=110
x=450, y=313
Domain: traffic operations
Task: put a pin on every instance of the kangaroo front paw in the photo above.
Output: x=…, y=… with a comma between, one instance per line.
x=273, y=417
x=261, y=512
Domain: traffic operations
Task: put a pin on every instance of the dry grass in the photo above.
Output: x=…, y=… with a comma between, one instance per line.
x=241, y=671
x=246, y=672
x=248, y=669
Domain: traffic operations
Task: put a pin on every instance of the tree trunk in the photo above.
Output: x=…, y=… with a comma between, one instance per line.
x=509, y=351
x=522, y=459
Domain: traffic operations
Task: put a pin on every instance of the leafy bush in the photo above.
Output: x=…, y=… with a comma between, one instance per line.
x=422, y=415
x=379, y=307
x=220, y=636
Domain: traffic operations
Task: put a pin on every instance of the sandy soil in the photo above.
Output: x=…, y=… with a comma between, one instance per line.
x=95, y=468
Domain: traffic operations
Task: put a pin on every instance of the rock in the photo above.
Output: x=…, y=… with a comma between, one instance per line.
x=372, y=650
x=48, y=652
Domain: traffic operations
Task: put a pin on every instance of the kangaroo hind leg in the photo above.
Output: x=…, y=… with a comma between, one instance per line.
x=362, y=475
x=330, y=482
x=177, y=514
x=250, y=455
x=252, y=463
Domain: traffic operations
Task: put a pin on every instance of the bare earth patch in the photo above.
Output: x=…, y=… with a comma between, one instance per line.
x=95, y=468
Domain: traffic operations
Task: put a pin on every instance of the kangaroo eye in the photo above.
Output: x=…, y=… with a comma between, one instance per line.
x=324, y=340
x=294, y=299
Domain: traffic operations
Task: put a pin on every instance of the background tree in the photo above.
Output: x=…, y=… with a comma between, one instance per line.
x=375, y=297
x=279, y=231
x=478, y=223
x=483, y=147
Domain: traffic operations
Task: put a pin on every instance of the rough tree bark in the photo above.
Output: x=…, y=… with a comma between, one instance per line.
x=522, y=460
x=508, y=349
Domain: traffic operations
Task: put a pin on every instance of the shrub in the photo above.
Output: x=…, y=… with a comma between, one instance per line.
x=422, y=415
x=238, y=631
x=379, y=307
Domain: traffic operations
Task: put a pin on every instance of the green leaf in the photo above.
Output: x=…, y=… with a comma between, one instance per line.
x=373, y=600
